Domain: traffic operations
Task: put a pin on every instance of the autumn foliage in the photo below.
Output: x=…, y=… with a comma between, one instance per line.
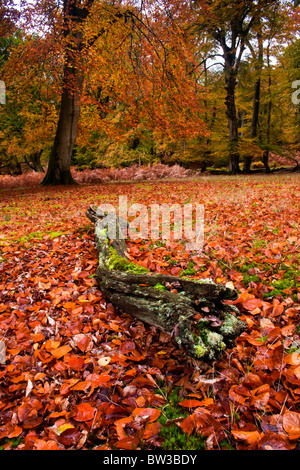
x=80, y=375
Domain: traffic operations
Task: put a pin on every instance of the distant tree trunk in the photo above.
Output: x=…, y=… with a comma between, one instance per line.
x=256, y=102
x=231, y=71
x=267, y=151
x=234, y=156
x=59, y=171
x=34, y=161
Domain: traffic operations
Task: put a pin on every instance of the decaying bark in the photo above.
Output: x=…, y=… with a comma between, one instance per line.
x=194, y=315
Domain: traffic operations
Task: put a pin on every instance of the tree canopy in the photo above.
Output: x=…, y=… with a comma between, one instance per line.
x=108, y=83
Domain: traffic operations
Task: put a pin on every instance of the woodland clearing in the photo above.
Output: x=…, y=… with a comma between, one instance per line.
x=79, y=375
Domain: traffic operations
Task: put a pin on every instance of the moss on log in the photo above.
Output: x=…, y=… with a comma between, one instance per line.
x=195, y=316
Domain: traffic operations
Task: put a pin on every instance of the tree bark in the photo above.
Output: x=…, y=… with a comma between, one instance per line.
x=58, y=171
x=192, y=312
x=256, y=101
x=59, y=166
x=231, y=71
x=267, y=151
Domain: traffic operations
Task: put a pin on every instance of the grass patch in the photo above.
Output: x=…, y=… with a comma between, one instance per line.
x=37, y=236
x=173, y=437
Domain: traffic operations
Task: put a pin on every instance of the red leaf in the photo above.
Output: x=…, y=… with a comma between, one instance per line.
x=75, y=362
x=190, y=403
x=84, y=412
x=188, y=424
x=127, y=346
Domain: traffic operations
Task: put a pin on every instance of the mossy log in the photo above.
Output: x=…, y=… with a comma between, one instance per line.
x=191, y=311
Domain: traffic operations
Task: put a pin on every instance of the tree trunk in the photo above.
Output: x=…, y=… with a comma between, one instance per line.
x=191, y=311
x=254, y=123
x=256, y=101
x=231, y=113
x=34, y=161
x=59, y=171
x=59, y=167
x=266, y=161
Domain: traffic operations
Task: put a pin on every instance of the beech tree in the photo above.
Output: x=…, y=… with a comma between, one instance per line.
x=75, y=14
x=230, y=24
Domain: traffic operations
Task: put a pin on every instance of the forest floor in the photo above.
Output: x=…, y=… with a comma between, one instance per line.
x=76, y=374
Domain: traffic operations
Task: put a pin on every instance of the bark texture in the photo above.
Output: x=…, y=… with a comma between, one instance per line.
x=195, y=316
x=58, y=171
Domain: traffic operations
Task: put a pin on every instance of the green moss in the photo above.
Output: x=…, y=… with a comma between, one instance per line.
x=122, y=264
x=13, y=442
x=173, y=437
x=160, y=287
x=201, y=350
x=190, y=271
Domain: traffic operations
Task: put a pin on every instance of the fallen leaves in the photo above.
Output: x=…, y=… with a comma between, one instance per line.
x=78, y=375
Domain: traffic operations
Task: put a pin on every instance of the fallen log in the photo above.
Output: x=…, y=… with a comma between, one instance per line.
x=191, y=311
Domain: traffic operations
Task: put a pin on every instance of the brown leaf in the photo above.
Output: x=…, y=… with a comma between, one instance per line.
x=69, y=437
x=273, y=441
x=151, y=414
x=251, y=437
x=291, y=424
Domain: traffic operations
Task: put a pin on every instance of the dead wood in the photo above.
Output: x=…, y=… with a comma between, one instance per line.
x=194, y=313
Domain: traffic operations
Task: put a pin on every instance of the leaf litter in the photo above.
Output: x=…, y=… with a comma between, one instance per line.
x=77, y=374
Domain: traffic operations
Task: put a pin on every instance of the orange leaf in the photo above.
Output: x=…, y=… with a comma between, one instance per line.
x=293, y=359
x=81, y=385
x=60, y=352
x=251, y=437
x=188, y=424
x=277, y=310
x=75, y=362
x=40, y=444
x=120, y=431
x=291, y=424
x=84, y=412
x=37, y=337
x=70, y=305
x=190, y=403
x=152, y=429
x=252, y=304
x=51, y=344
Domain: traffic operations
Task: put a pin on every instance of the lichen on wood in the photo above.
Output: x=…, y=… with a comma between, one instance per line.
x=191, y=311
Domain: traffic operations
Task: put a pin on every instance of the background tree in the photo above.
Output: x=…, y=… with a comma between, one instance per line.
x=230, y=25
x=27, y=122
